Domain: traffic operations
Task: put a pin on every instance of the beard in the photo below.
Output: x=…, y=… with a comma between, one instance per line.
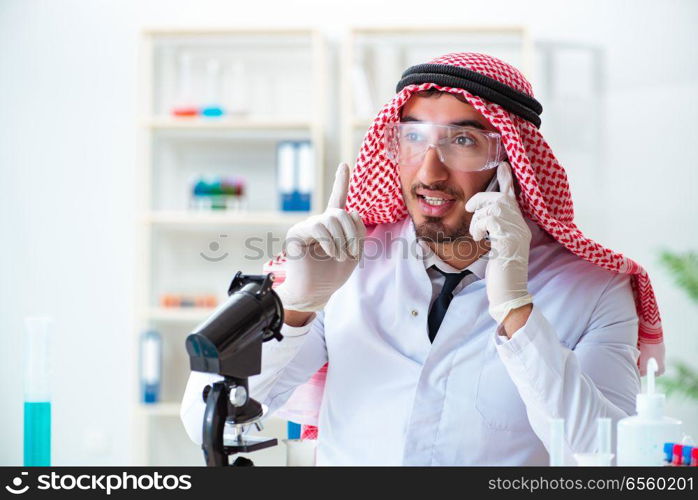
x=450, y=243
x=432, y=229
x=453, y=243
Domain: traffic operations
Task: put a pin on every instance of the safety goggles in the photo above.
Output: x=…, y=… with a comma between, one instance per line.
x=465, y=149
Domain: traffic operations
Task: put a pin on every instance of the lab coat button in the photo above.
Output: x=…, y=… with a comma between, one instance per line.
x=414, y=312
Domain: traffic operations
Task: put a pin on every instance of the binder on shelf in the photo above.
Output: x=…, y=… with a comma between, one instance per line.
x=295, y=175
x=151, y=366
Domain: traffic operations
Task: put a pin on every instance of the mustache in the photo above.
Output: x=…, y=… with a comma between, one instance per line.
x=439, y=186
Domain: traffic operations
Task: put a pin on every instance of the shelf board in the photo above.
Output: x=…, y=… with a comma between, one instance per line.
x=180, y=314
x=191, y=218
x=159, y=409
x=197, y=123
x=409, y=30
x=223, y=30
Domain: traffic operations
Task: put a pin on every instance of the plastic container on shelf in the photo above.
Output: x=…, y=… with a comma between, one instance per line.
x=175, y=300
x=213, y=99
x=233, y=189
x=184, y=105
x=200, y=194
x=218, y=193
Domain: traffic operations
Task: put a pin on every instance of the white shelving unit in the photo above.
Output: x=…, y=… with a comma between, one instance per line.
x=285, y=71
x=286, y=80
x=373, y=58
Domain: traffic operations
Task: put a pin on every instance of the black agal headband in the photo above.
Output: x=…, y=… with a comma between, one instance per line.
x=488, y=88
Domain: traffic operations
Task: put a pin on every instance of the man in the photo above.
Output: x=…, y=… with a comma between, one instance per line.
x=456, y=320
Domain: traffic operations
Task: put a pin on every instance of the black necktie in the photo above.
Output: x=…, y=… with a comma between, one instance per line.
x=438, y=309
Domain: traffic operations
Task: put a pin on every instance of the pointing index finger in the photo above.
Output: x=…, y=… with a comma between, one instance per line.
x=338, y=197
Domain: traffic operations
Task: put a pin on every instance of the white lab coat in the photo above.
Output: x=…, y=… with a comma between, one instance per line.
x=473, y=397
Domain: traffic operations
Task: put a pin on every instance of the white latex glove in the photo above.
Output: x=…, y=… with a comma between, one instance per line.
x=498, y=214
x=322, y=251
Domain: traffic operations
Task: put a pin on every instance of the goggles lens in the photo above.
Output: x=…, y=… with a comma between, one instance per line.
x=466, y=149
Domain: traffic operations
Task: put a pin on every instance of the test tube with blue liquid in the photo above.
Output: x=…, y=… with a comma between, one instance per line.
x=213, y=106
x=37, y=396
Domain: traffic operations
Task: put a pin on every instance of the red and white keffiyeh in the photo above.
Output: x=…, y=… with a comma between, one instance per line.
x=544, y=197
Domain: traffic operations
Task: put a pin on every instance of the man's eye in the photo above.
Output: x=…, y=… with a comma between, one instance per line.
x=412, y=136
x=464, y=140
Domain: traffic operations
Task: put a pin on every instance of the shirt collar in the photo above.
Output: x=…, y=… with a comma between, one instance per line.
x=431, y=259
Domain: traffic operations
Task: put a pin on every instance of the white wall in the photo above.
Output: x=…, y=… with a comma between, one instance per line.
x=68, y=95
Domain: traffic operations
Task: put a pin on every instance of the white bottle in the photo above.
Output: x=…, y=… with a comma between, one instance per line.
x=641, y=437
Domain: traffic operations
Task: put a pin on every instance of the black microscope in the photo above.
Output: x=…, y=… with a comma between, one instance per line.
x=229, y=343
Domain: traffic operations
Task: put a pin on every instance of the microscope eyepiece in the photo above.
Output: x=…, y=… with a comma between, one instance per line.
x=230, y=341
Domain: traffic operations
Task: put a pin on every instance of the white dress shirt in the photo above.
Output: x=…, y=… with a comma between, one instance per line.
x=473, y=397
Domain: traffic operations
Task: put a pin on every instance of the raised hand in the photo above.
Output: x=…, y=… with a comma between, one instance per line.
x=497, y=215
x=322, y=251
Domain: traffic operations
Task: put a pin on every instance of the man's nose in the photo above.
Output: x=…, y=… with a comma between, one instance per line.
x=432, y=169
